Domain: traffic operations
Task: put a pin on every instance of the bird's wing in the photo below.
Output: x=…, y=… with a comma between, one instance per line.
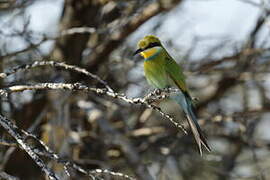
x=175, y=72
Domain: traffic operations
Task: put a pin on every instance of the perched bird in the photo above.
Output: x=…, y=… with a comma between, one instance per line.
x=161, y=71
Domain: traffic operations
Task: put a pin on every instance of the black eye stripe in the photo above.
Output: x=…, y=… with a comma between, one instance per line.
x=152, y=45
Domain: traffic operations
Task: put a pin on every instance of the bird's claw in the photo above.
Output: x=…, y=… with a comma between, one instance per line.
x=157, y=92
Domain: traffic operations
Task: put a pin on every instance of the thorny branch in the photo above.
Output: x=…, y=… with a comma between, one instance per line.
x=49, y=153
x=14, y=131
x=55, y=64
x=21, y=135
x=34, y=153
x=147, y=101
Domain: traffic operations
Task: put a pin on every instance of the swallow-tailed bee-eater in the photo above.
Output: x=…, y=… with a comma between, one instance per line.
x=162, y=71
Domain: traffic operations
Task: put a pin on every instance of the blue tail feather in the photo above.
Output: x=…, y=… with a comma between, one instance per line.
x=185, y=101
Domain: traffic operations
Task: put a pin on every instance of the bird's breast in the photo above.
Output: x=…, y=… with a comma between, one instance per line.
x=155, y=73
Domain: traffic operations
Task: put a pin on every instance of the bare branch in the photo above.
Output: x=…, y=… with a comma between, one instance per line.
x=4, y=175
x=14, y=131
x=55, y=64
x=147, y=101
x=47, y=152
x=77, y=30
x=108, y=91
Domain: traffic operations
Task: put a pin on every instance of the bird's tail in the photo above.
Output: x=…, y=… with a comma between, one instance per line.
x=185, y=101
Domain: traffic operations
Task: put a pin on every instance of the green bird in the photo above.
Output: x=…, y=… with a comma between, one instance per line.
x=162, y=71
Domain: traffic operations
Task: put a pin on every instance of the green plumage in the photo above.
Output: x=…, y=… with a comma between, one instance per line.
x=162, y=71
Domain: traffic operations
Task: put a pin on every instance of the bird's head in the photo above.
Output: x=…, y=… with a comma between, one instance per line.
x=147, y=43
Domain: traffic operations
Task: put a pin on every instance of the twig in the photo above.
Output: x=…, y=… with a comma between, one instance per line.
x=6, y=176
x=7, y=142
x=14, y=131
x=108, y=91
x=47, y=152
x=115, y=39
x=147, y=101
x=54, y=64
x=77, y=30
x=67, y=163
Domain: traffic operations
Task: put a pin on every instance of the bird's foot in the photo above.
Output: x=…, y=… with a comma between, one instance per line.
x=157, y=92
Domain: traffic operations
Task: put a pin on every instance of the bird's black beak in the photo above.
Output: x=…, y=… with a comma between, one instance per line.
x=137, y=51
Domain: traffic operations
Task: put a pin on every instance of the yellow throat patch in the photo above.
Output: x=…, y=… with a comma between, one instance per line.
x=149, y=52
